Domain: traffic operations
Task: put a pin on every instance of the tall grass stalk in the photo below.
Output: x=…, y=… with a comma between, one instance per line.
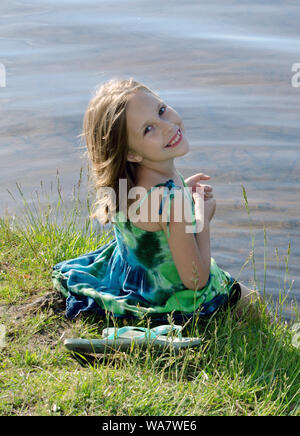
x=252, y=236
x=265, y=263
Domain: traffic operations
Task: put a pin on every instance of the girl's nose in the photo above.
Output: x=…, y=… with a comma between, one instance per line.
x=168, y=127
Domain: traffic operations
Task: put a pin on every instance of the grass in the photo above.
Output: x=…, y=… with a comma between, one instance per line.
x=245, y=366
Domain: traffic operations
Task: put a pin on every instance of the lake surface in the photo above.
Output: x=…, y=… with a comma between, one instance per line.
x=226, y=67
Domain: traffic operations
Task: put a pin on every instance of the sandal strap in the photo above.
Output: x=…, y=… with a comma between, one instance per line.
x=113, y=333
x=165, y=329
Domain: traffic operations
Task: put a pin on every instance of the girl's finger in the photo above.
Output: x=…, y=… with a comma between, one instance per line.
x=200, y=176
x=203, y=176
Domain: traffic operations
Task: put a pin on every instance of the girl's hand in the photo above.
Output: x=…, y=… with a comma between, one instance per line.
x=208, y=192
x=192, y=182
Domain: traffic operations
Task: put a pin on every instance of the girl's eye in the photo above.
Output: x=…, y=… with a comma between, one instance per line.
x=162, y=110
x=148, y=128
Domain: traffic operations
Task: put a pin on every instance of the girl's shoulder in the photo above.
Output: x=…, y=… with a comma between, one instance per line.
x=146, y=201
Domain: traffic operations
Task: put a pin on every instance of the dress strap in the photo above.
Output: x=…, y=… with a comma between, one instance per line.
x=169, y=193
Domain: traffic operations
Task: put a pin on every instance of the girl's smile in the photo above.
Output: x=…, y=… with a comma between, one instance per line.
x=175, y=140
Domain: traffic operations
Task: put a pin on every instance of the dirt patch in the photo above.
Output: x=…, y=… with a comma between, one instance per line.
x=49, y=304
x=51, y=300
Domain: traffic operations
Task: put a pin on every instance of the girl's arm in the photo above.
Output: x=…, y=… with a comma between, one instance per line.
x=203, y=236
x=203, y=242
x=205, y=213
x=191, y=254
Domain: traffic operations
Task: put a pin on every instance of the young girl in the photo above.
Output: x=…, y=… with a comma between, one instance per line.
x=153, y=266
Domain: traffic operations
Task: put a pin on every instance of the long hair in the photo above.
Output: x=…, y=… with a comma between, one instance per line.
x=105, y=132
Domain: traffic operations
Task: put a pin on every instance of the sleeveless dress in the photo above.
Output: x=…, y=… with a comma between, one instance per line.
x=134, y=275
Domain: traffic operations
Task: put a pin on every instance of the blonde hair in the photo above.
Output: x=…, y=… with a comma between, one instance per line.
x=105, y=132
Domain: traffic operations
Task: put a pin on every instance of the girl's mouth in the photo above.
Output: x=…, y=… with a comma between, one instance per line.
x=175, y=140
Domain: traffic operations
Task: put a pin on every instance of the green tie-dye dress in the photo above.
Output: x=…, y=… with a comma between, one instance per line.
x=134, y=275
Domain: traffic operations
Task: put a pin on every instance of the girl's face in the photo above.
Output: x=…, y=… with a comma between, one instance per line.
x=155, y=131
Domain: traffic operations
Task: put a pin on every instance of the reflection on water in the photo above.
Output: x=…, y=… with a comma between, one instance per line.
x=225, y=67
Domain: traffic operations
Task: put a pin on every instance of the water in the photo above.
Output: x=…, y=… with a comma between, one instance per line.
x=226, y=67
